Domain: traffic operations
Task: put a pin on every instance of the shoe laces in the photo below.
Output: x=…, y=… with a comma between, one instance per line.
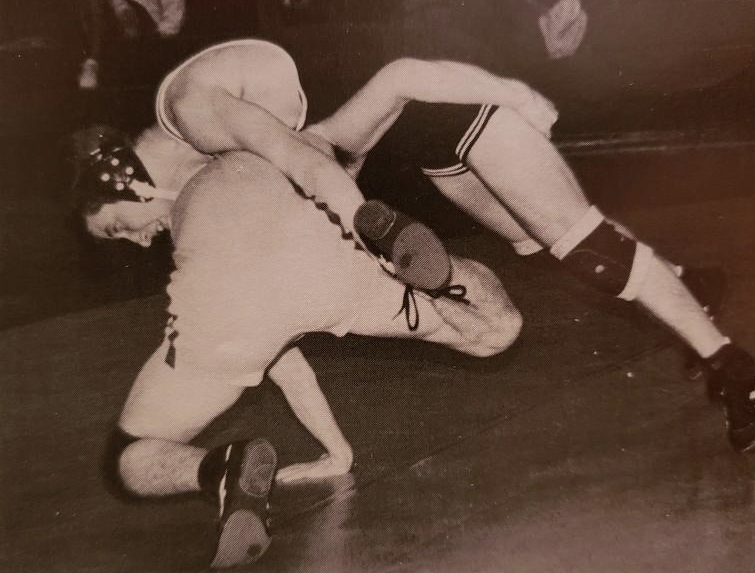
x=409, y=307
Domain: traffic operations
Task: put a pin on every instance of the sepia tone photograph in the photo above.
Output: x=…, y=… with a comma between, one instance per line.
x=386, y=286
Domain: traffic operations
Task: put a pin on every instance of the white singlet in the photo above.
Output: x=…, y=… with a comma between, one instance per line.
x=257, y=266
x=269, y=78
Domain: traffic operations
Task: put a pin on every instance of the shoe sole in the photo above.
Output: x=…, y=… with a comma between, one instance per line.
x=418, y=255
x=244, y=539
x=428, y=267
x=258, y=468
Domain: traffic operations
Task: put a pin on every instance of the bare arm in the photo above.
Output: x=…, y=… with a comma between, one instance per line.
x=295, y=377
x=213, y=120
x=364, y=119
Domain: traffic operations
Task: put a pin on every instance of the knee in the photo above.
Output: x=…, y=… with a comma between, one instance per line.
x=115, y=449
x=504, y=331
x=604, y=256
x=511, y=124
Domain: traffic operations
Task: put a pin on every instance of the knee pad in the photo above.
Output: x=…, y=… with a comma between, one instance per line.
x=596, y=252
x=117, y=442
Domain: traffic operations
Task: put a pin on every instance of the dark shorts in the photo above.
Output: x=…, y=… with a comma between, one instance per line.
x=438, y=137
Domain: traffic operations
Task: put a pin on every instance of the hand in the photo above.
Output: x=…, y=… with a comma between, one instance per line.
x=538, y=111
x=326, y=466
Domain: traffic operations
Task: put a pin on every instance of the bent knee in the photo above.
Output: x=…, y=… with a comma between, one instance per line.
x=507, y=331
x=502, y=334
x=118, y=443
x=509, y=123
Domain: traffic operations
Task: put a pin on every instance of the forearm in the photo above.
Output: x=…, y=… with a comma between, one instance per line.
x=297, y=380
x=214, y=121
x=458, y=83
x=360, y=123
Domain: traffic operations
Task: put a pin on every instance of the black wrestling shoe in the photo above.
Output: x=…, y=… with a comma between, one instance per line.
x=243, y=495
x=708, y=286
x=733, y=370
x=417, y=254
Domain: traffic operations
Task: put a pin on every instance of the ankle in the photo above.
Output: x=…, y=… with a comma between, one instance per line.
x=211, y=470
x=736, y=368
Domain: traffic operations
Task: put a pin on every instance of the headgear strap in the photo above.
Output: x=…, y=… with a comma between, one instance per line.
x=117, y=170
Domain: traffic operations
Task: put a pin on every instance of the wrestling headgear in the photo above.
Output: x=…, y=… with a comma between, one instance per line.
x=110, y=170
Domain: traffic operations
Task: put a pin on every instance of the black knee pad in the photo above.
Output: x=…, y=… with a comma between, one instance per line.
x=603, y=259
x=117, y=442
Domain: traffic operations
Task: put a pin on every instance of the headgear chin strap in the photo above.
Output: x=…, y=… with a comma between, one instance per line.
x=117, y=171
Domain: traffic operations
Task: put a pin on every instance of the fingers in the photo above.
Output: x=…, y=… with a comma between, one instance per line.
x=322, y=468
x=536, y=109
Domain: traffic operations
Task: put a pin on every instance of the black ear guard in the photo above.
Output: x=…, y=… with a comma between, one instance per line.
x=114, y=170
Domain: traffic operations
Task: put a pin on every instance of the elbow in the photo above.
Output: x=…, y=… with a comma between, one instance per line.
x=343, y=459
x=405, y=65
x=402, y=73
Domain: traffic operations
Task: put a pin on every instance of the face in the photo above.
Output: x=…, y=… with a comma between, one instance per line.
x=135, y=222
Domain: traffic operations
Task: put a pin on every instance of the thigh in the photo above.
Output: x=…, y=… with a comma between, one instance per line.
x=174, y=404
x=526, y=173
x=471, y=195
x=437, y=137
x=485, y=326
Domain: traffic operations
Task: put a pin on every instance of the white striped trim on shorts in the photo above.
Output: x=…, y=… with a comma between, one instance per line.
x=465, y=144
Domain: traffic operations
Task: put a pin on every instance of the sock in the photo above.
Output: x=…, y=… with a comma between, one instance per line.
x=737, y=363
x=526, y=247
x=717, y=352
x=211, y=470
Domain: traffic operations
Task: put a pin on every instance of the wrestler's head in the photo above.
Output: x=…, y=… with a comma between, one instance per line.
x=137, y=222
x=112, y=191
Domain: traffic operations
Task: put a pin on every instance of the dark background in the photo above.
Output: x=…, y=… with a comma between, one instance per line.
x=655, y=85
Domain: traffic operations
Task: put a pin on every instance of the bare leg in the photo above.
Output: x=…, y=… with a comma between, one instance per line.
x=472, y=197
x=151, y=467
x=665, y=297
x=525, y=172
x=489, y=324
x=165, y=409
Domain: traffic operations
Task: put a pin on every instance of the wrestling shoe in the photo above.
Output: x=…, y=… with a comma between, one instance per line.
x=417, y=254
x=708, y=286
x=733, y=370
x=243, y=495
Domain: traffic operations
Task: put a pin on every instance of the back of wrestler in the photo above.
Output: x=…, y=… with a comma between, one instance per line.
x=257, y=265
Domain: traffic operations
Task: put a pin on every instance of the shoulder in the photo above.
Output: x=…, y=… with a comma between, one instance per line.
x=234, y=174
x=227, y=195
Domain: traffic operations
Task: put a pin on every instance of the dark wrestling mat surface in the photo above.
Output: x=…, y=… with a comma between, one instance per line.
x=397, y=402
